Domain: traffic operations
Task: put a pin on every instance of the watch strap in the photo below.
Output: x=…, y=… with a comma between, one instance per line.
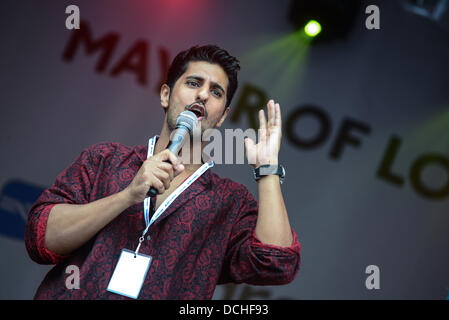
x=265, y=170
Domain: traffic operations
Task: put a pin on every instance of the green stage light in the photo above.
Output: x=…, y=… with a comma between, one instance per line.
x=312, y=28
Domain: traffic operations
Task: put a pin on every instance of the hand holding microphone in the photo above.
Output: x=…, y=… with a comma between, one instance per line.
x=156, y=172
x=185, y=124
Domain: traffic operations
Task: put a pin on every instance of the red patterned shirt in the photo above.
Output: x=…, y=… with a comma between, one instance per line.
x=204, y=238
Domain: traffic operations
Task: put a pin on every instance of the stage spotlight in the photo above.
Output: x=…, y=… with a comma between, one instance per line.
x=324, y=20
x=312, y=28
x=436, y=11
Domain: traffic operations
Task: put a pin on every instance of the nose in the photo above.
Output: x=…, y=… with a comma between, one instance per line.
x=203, y=94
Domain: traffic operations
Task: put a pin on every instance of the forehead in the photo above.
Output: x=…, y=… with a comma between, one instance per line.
x=210, y=72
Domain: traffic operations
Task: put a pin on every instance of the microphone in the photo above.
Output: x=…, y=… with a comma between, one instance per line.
x=185, y=124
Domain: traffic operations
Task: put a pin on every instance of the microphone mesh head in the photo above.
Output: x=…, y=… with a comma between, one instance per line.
x=187, y=119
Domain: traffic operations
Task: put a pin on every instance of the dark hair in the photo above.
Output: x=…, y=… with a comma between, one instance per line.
x=209, y=53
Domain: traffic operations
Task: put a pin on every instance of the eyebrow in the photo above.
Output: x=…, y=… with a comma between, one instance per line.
x=214, y=84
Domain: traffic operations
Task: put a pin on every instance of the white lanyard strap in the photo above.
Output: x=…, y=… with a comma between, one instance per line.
x=147, y=201
x=173, y=195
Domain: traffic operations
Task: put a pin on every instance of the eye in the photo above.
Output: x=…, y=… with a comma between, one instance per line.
x=192, y=83
x=217, y=93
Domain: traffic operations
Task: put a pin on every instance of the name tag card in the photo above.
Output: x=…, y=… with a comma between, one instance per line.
x=129, y=274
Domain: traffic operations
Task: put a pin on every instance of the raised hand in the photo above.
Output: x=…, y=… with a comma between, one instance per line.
x=270, y=133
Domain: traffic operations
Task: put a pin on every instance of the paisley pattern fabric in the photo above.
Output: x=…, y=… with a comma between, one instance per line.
x=206, y=237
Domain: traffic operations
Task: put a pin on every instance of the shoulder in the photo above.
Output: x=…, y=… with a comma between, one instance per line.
x=107, y=148
x=111, y=150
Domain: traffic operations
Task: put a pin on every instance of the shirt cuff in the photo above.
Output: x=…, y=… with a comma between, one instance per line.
x=46, y=254
x=294, y=248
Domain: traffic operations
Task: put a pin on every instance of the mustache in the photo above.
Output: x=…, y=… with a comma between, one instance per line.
x=198, y=103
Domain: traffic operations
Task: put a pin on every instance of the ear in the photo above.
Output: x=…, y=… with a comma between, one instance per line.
x=165, y=96
x=223, y=117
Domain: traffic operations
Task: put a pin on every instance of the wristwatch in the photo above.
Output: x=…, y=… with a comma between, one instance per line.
x=266, y=169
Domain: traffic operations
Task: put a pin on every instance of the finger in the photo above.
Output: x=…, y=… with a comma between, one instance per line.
x=167, y=155
x=178, y=169
x=174, y=160
x=278, y=119
x=168, y=168
x=156, y=183
x=250, y=147
x=262, y=126
x=154, y=164
x=174, y=169
x=163, y=176
x=271, y=113
x=262, y=120
x=249, y=144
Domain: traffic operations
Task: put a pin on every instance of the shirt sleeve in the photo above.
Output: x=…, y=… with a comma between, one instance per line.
x=72, y=186
x=248, y=260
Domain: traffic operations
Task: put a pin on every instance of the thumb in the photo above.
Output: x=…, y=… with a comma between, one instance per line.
x=251, y=153
x=178, y=169
x=168, y=156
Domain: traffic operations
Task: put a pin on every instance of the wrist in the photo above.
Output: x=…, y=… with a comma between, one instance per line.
x=126, y=198
x=269, y=178
x=269, y=170
x=271, y=162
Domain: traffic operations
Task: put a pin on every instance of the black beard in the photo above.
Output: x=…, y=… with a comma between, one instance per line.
x=171, y=122
x=171, y=125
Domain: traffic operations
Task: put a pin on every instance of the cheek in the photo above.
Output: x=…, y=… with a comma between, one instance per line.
x=187, y=95
x=213, y=120
x=181, y=96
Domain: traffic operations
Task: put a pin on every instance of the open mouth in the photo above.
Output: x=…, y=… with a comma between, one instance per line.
x=197, y=109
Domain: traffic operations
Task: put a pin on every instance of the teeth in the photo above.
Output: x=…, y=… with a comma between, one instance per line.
x=198, y=110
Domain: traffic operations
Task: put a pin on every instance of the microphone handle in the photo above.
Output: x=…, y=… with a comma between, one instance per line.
x=175, y=146
x=152, y=192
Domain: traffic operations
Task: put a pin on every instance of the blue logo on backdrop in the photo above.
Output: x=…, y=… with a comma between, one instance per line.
x=16, y=199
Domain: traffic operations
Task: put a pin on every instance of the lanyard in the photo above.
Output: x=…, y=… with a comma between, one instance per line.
x=173, y=195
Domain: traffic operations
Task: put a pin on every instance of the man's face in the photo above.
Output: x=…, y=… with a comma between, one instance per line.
x=204, y=83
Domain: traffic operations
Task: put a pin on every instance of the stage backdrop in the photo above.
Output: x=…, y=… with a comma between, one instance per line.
x=365, y=128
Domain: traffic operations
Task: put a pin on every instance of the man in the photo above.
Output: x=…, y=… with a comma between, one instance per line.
x=213, y=232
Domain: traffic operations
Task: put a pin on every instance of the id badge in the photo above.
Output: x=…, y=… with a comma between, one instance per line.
x=129, y=274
